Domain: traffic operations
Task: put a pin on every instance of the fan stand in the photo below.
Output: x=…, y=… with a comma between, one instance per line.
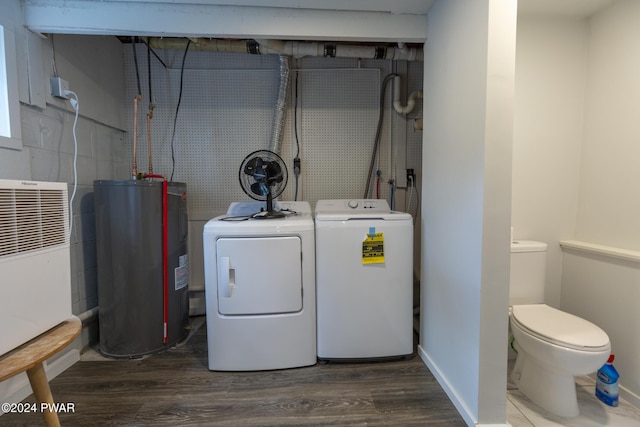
x=270, y=213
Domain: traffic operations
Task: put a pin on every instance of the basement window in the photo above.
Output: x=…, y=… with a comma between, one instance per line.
x=10, y=136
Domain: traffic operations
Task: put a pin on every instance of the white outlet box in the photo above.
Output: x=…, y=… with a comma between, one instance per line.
x=59, y=86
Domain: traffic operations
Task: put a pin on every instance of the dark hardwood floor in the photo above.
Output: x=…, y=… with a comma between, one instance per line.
x=175, y=388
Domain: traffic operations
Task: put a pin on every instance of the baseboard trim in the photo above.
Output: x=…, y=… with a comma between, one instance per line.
x=630, y=397
x=465, y=413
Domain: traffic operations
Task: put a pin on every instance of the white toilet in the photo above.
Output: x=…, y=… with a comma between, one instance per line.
x=553, y=346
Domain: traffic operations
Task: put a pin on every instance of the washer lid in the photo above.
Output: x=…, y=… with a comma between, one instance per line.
x=559, y=327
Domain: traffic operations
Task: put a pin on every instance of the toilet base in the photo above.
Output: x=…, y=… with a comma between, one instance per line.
x=551, y=390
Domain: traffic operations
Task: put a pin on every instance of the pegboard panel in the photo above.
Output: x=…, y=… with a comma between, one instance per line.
x=338, y=118
x=224, y=115
x=226, y=112
x=227, y=115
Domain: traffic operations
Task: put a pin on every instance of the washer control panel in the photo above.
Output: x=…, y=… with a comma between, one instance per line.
x=353, y=205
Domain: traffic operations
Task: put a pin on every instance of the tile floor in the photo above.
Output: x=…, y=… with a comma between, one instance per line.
x=521, y=412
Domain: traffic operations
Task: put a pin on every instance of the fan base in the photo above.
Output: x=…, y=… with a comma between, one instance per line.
x=269, y=215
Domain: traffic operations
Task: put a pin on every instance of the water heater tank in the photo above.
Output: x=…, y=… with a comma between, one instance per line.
x=528, y=267
x=129, y=241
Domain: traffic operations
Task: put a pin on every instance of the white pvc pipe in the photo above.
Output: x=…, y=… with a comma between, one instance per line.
x=296, y=49
x=301, y=49
x=411, y=102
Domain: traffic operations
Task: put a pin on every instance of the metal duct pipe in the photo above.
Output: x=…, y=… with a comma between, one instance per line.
x=277, y=132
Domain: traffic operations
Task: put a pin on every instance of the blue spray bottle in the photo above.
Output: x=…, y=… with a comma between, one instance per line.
x=607, y=383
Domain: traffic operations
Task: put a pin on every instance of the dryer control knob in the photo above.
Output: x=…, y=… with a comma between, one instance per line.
x=353, y=204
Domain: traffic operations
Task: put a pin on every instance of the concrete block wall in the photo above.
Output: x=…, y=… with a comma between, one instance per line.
x=47, y=136
x=93, y=66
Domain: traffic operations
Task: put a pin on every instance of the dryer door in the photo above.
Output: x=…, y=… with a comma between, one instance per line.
x=259, y=275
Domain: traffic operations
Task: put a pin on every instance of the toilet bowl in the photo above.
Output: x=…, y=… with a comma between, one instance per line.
x=553, y=347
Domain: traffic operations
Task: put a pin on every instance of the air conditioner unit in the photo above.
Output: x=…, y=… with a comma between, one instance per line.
x=35, y=273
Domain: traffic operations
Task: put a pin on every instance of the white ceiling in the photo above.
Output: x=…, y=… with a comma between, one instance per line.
x=576, y=8
x=564, y=8
x=413, y=7
x=345, y=20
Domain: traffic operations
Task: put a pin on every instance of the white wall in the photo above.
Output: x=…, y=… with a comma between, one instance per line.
x=551, y=56
x=575, y=171
x=93, y=68
x=466, y=202
x=609, y=206
x=602, y=289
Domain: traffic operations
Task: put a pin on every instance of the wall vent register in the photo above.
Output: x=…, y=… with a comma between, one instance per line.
x=32, y=219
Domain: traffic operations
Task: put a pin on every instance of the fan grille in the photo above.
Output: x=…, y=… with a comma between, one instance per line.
x=263, y=172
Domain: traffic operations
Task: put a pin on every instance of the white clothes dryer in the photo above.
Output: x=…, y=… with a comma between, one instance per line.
x=260, y=288
x=364, y=269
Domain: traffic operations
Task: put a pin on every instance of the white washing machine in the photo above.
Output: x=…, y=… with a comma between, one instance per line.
x=260, y=288
x=364, y=269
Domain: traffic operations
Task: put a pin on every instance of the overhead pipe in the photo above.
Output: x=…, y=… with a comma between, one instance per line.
x=335, y=50
x=296, y=49
x=411, y=102
x=198, y=44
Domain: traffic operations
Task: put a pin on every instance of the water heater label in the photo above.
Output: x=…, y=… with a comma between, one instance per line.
x=182, y=272
x=373, y=248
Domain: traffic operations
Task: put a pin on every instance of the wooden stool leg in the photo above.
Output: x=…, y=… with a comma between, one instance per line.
x=42, y=392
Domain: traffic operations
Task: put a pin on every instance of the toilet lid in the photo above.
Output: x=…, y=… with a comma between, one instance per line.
x=559, y=327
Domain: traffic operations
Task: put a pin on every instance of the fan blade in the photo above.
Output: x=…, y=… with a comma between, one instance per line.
x=260, y=188
x=253, y=165
x=274, y=172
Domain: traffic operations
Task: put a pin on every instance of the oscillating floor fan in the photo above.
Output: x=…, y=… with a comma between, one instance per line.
x=263, y=176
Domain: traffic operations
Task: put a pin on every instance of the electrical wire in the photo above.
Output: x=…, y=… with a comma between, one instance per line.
x=376, y=141
x=135, y=61
x=149, y=74
x=412, y=186
x=295, y=116
x=154, y=53
x=175, y=118
x=53, y=55
x=149, y=114
x=296, y=160
x=286, y=212
x=75, y=103
x=410, y=194
x=134, y=168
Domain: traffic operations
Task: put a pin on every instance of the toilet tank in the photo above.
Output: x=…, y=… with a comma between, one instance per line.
x=528, y=265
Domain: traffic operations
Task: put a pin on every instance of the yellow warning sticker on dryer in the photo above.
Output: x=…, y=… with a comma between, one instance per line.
x=373, y=249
